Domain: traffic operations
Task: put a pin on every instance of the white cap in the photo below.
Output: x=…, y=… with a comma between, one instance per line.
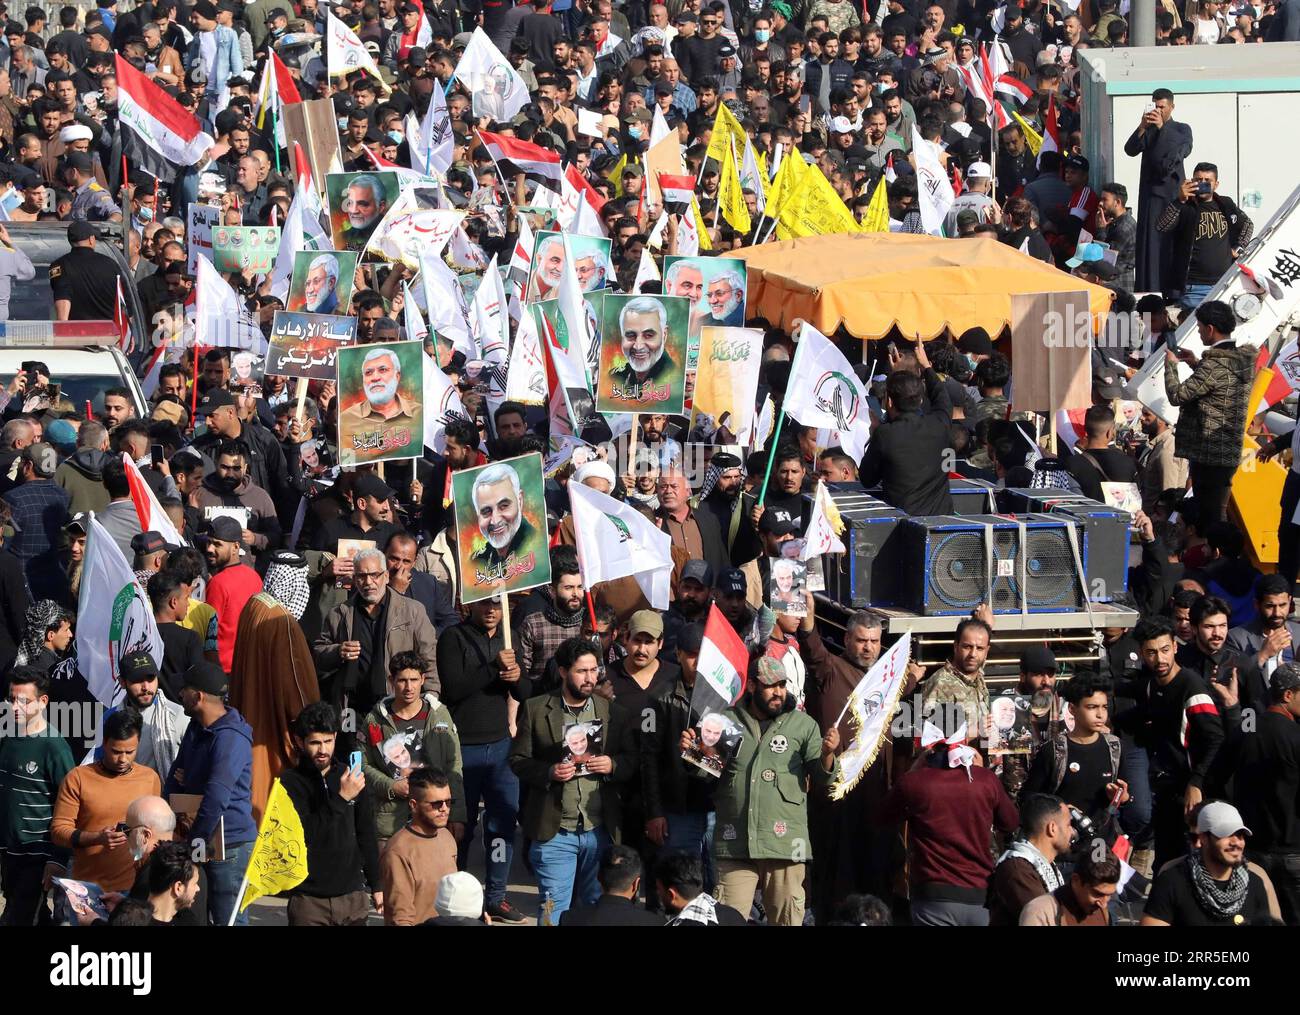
x=459, y=894
x=595, y=468
x=1220, y=820
x=979, y=171
x=75, y=132
x=841, y=125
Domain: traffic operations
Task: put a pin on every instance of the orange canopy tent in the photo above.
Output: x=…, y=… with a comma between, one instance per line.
x=870, y=282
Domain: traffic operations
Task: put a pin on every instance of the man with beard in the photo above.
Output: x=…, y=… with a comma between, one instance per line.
x=762, y=809
x=365, y=202
x=339, y=828
x=723, y=500
x=559, y=619
x=1213, y=886
x=957, y=690
x=569, y=818
x=550, y=268
x=1209, y=657
x=592, y=270
x=648, y=369
x=693, y=531
x=731, y=595
x=172, y=880
x=1159, y=469
x=1271, y=638
x=230, y=486
x=361, y=635
x=320, y=289
x=1178, y=723
x=726, y=299
x=694, y=597
x=381, y=377
x=685, y=278
x=498, y=505
x=854, y=848
x=230, y=585
x=163, y=722
x=266, y=466
x=784, y=502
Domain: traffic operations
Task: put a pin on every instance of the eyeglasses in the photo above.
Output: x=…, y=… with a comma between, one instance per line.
x=436, y=805
x=368, y=576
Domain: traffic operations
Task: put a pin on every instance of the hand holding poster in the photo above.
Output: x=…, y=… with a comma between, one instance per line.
x=322, y=281
x=788, y=586
x=643, y=354
x=306, y=345
x=245, y=248
x=717, y=739
x=501, y=541
x=380, y=397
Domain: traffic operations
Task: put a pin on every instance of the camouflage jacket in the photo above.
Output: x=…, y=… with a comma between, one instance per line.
x=1212, y=405
x=946, y=687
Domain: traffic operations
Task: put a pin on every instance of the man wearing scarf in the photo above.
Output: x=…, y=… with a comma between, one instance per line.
x=1213, y=886
x=1028, y=868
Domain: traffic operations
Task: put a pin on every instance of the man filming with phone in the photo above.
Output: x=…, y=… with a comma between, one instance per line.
x=338, y=823
x=1208, y=232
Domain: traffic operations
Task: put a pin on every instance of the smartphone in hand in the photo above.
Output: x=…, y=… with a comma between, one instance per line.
x=354, y=762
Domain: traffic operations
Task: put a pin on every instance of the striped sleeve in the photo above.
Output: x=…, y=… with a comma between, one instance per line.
x=1202, y=734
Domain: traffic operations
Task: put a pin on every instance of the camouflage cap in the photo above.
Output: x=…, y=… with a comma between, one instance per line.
x=769, y=672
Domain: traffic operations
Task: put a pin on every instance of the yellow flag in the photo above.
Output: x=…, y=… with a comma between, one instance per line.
x=877, y=218
x=731, y=196
x=814, y=209
x=788, y=176
x=701, y=231
x=1032, y=137
x=279, y=858
x=616, y=174
x=726, y=130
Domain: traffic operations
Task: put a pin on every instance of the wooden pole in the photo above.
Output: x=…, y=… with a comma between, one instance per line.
x=504, y=597
x=302, y=399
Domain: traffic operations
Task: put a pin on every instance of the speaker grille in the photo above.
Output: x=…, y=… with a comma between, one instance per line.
x=957, y=568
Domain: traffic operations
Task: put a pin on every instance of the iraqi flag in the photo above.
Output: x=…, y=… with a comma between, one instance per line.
x=721, y=668
x=677, y=189
x=1013, y=88
x=151, y=514
x=524, y=155
x=1051, y=135
x=580, y=184
x=158, y=134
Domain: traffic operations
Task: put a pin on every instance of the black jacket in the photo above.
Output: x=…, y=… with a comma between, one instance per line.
x=13, y=608
x=1184, y=216
x=906, y=455
x=266, y=466
x=472, y=687
x=611, y=911
x=667, y=786
x=712, y=539
x=340, y=835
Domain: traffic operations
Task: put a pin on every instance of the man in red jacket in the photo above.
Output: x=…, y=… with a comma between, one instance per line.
x=950, y=802
x=232, y=584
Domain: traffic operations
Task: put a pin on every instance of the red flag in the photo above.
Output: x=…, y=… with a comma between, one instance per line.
x=147, y=509
x=525, y=155
x=956, y=181
x=1278, y=386
x=580, y=184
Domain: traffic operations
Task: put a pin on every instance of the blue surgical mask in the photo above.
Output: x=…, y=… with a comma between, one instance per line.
x=395, y=136
x=761, y=35
x=634, y=133
x=145, y=214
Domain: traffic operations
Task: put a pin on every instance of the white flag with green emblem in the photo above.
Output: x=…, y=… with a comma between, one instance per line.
x=113, y=616
x=825, y=392
x=616, y=540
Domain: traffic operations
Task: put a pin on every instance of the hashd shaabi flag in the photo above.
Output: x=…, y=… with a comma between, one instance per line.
x=442, y=405
x=871, y=704
x=114, y=616
x=158, y=133
x=616, y=541
x=498, y=90
x=825, y=392
x=721, y=668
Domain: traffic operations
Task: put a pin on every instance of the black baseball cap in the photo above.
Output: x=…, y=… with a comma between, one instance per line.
x=207, y=677
x=226, y=530
x=80, y=231
x=213, y=399
x=776, y=525
x=148, y=542
x=1073, y=161
x=371, y=487
x=732, y=582
x=698, y=570
x=138, y=665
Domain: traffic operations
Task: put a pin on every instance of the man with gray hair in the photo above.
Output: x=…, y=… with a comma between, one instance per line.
x=853, y=849
x=646, y=367
x=499, y=510
x=726, y=297
x=150, y=821
x=381, y=377
x=320, y=288
x=548, y=268
x=363, y=633
x=592, y=269
x=365, y=202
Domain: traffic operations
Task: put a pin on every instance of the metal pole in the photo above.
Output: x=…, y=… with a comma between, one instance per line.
x=1143, y=19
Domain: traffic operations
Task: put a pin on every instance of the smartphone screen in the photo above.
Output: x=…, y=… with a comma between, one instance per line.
x=354, y=761
x=156, y=455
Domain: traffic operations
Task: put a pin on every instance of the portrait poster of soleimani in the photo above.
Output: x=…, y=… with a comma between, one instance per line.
x=501, y=539
x=643, y=354
x=381, y=409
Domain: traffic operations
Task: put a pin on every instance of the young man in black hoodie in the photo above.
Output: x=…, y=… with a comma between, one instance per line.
x=1178, y=722
x=338, y=825
x=1210, y=658
x=479, y=681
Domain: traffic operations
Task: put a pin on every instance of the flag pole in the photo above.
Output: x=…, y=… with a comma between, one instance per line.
x=771, y=455
x=504, y=597
x=239, y=899
x=275, y=133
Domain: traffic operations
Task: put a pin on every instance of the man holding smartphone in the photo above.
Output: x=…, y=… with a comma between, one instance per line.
x=338, y=823
x=1163, y=144
x=1208, y=232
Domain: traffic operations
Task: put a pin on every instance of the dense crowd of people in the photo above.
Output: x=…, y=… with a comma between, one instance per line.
x=313, y=627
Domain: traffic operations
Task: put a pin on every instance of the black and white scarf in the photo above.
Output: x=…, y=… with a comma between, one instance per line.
x=1218, y=898
x=1043, y=867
